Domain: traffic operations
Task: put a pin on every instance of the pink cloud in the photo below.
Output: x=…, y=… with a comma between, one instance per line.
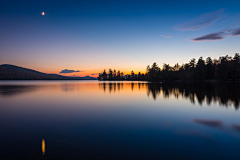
x=166, y=36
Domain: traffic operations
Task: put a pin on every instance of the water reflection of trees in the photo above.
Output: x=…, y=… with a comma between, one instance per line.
x=10, y=90
x=222, y=93
x=111, y=86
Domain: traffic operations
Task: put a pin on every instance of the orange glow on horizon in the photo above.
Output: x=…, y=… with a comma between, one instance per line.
x=92, y=73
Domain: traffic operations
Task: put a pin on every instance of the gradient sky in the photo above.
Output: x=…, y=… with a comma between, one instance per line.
x=89, y=36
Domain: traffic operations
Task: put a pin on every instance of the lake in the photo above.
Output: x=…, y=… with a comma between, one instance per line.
x=119, y=120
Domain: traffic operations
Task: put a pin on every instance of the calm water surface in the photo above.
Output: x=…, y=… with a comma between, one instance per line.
x=119, y=120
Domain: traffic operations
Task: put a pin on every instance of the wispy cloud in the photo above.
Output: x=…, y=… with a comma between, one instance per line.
x=228, y=32
x=69, y=71
x=165, y=36
x=64, y=43
x=232, y=30
x=210, y=37
x=201, y=22
x=236, y=32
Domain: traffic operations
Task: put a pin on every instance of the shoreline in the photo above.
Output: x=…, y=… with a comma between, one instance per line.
x=209, y=81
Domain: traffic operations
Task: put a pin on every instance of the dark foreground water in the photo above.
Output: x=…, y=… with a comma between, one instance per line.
x=119, y=120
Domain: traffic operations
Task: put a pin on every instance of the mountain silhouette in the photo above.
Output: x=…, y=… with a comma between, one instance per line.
x=12, y=72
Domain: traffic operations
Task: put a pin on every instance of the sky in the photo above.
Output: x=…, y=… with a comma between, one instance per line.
x=80, y=38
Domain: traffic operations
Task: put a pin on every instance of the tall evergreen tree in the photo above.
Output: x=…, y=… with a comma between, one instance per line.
x=200, y=69
x=209, y=68
x=110, y=74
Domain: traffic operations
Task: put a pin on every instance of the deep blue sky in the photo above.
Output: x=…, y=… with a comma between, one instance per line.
x=94, y=35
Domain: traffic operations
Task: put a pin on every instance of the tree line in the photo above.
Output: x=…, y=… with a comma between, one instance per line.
x=224, y=68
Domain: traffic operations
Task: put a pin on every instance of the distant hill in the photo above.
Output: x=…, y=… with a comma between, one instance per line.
x=11, y=72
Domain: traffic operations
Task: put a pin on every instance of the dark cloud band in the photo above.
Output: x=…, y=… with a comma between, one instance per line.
x=210, y=37
x=69, y=71
x=218, y=36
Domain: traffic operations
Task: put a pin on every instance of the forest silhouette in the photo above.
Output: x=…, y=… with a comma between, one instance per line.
x=225, y=94
x=226, y=68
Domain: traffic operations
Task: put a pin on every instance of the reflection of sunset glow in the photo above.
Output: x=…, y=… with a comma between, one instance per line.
x=82, y=92
x=43, y=146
